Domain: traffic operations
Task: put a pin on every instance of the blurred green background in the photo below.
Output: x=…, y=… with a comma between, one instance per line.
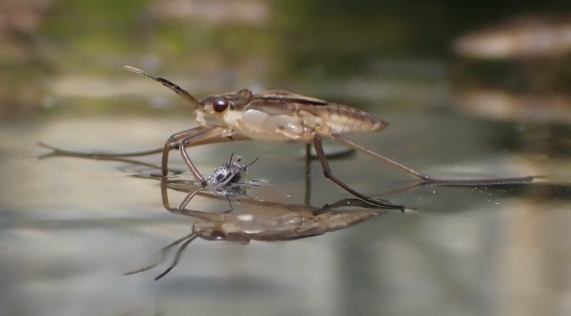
x=52, y=49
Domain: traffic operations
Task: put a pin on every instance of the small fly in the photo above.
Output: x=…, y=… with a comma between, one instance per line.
x=229, y=173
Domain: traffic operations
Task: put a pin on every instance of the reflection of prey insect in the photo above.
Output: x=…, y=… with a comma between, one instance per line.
x=284, y=116
x=262, y=221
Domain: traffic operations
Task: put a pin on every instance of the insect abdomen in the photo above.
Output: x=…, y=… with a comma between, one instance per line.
x=343, y=119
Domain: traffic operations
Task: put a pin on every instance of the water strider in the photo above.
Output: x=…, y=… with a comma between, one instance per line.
x=281, y=116
x=277, y=115
x=261, y=221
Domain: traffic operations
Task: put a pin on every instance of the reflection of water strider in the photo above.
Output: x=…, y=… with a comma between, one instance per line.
x=262, y=221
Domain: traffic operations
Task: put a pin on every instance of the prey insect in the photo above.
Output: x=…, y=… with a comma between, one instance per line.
x=282, y=116
x=225, y=181
x=229, y=173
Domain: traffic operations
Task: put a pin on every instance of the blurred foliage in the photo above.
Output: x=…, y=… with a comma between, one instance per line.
x=336, y=36
x=343, y=36
x=271, y=42
x=91, y=30
x=94, y=26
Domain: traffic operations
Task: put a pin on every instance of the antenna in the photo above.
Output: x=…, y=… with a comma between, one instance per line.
x=167, y=83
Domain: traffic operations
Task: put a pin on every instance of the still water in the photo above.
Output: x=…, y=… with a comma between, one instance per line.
x=71, y=227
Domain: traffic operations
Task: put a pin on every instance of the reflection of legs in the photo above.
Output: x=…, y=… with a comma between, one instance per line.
x=163, y=253
x=187, y=199
x=182, y=207
x=428, y=179
x=165, y=194
x=190, y=238
x=327, y=173
x=187, y=239
x=307, y=174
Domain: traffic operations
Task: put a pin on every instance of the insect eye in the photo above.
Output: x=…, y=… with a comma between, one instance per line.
x=220, y=104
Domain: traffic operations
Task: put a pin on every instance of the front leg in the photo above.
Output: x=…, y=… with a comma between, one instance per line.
x=208, y=133
x=173, y=141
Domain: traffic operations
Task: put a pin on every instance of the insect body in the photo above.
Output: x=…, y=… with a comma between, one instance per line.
x=278, y=115
x=284, y=116
x=229, y=173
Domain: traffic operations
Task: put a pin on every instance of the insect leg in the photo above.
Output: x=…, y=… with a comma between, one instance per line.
x=175, y=139
x=182, y=207
x=177, y=256
x=307, y=197
x=188, y=141
x=106, y=156
x=165, y=195
x=328, y=174
x=163, y=253
x=187, y=199
x=98, y=155
x=431, y=180
x=58, y=152
x=102, y=155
